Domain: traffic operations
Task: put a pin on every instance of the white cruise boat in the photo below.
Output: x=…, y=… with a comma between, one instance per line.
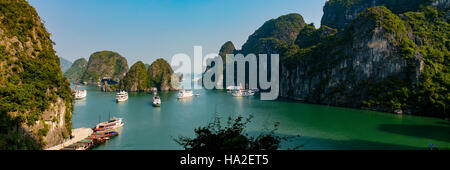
x=185, y=94
x=243, y=93
x=79, y=94
x=250, y=92
x=156, y=101
x=238, y=93
x=121, y=96
x=113, y=123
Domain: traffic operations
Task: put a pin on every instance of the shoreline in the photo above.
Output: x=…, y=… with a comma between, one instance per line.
x=78, y=135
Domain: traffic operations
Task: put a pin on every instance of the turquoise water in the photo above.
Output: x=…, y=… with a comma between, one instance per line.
x=319, y=127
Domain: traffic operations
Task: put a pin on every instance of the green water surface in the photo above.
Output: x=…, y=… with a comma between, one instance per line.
x=319, y=127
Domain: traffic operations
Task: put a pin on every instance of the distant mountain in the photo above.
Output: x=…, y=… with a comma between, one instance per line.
x=35, y=99
x=76, y=71
x=65, y=64
x=105, y=64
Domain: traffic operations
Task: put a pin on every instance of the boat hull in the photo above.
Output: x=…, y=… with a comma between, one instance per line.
x=118, y=101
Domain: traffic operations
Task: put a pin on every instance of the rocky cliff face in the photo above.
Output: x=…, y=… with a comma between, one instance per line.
x=160, y=74
x=338, y=73
x=76, y=71
x=382, y=61
x=105, y=64
x=340, y=13
x=35, y=99
x=268, y=39
x=136, y=79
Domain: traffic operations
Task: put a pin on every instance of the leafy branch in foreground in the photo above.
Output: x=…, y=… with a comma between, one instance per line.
x=231, y=137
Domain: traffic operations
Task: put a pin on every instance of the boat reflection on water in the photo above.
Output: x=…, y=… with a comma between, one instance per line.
x=80, y=102
x=156, y=119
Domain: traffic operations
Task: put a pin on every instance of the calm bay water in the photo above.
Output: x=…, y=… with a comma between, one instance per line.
x=319, y=127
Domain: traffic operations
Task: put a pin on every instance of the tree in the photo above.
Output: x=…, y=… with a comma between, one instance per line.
x=230, y=137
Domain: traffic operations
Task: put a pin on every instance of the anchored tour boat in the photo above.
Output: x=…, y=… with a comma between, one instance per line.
x=79, y=94
x=112, y=124
x=242, y=93
x=185, y=94
x=156, y=101
x=121, y=96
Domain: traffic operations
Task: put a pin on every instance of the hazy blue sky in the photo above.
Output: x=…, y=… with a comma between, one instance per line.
x=149, y=29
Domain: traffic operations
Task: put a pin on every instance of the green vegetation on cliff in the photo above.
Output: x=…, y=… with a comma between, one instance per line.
x=105, y=64
x=419, y=39
x=430, y=95
x=284, y=28
x=310, y=36
x=340, y=13
x=160, y=75
x=136, y=79
x=77, y=70
x=31, y=79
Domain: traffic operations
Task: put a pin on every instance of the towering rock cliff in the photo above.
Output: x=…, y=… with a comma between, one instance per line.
x=105, y=64
x=136, y=79
x=339, y=72
x=77, y=70
x=340, y=13
x=35, y=99
x=160, y=75
x=271, y=37
x=382, y=61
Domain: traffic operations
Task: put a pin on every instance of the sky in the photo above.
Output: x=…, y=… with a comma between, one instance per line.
x=149, y=29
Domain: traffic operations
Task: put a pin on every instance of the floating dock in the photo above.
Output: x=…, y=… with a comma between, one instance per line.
x=96, y=138
x=86, y=138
